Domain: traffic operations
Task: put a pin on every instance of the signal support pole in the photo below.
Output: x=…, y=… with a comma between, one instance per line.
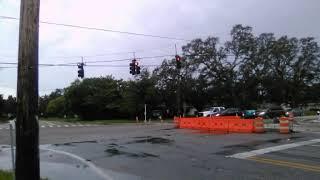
x=27, y=126
x=178, y=88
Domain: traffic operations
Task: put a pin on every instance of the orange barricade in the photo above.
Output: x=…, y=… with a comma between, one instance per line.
x=259, y=125
x=190, y=123
x=284, y=125
x=241, y=126
x=222, y=124
x=204, y=123
x=218, y=124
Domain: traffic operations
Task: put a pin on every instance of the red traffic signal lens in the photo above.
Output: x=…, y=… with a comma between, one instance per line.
x=178, y=58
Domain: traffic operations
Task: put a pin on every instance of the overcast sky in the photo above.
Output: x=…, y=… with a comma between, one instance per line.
x=187, y=19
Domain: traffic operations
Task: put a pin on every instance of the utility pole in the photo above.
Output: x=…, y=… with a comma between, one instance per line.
x=178, y=88
x=145, y=113
x=27, y=126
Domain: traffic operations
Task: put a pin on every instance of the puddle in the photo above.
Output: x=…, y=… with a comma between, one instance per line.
x=273, y=140
x=295, y=137
x=168, y=129
x=79, y=142
x=113, y=144
x=115, y=152
x=64, y=144
x=142, y=137
x=73, y=143
x=153, y=140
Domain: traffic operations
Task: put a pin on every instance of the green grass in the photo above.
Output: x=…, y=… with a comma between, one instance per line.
x=7, y=175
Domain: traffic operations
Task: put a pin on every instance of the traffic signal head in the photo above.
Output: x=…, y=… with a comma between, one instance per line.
x=80, y=71
x=178, y=61
x=132, y=69
x=137, y=69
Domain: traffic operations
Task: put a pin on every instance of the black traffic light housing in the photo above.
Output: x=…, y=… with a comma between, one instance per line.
x=134, y=67
x=80, y=70
x=137, y=69
x=178, y=61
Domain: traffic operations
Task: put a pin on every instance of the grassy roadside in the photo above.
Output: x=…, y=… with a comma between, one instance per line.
x=99, y=122
x=7, y=175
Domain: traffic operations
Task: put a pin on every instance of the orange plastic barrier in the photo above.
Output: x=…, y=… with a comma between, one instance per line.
x=218, y=124
x=241, y=126
x=259, y=125
x=221, y=124
x=284, y=125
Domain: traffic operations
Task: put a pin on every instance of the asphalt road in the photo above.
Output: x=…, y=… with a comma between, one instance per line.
x=158, y=151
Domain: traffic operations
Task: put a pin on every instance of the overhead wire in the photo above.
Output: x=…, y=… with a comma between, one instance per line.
x=100, y=29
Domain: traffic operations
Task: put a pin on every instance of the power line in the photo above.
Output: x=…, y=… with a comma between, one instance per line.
x=127, y=59
x=101, y=29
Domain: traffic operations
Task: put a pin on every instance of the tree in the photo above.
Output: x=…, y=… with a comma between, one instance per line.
x=57, y=107
x=95, y=98
x=1, y=105
x=44, y=101
x=10, y=106
x=139, y=92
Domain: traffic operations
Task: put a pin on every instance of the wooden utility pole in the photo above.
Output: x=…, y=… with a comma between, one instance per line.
x=27, y=126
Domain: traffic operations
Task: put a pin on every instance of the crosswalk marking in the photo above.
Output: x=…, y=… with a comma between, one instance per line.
x=45, y=124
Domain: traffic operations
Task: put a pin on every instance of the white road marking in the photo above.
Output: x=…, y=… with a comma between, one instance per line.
x=50, y=126
x=248, y=154
x=66, y=125
x=49, y=123
x=89, y=164
x=315, y=145
x=58, y=126
x=43, y=126
x=73, y=125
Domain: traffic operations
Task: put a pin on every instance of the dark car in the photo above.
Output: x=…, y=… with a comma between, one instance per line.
x=231, y=112
x=156, y=114
x=272, y=113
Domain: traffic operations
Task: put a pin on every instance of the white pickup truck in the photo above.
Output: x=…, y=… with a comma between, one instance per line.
x=211, y=111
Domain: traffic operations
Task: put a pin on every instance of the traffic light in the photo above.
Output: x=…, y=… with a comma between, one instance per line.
x=132, y=67
x=178, y=61
x=137, y=69
x=80, y=71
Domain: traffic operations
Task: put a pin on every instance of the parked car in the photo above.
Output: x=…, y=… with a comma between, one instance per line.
x=250, y=114
x=156, y=114
x=211, y=111
x=294, y=111
x=272, y=113
x=231, y=112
